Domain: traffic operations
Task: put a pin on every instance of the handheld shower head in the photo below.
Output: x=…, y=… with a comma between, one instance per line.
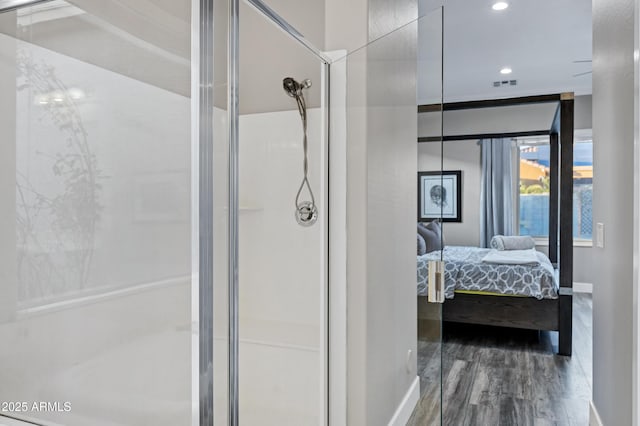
x=293, y=88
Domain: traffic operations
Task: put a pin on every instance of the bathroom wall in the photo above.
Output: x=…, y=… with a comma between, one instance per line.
x=279, y=287
x=381, y=187
x=390, y=218
x=281, y=272
x=614, y=132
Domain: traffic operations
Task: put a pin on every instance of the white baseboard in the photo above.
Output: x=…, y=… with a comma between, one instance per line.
x=406, y=407
x=582, y=287
x=594, y=417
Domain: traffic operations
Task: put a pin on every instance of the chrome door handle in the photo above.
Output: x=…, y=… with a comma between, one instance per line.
x=436, y=281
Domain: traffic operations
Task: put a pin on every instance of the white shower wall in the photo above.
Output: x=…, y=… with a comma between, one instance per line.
x=282, y=272
x=280, y=261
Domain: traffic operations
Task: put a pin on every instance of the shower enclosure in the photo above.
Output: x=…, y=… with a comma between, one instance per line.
x=179, y=200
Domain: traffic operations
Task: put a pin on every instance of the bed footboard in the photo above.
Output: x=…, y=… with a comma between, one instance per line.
x=503, y=311
x=515, y=312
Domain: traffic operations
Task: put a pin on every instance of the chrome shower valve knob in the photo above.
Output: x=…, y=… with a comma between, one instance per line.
x=306, y=213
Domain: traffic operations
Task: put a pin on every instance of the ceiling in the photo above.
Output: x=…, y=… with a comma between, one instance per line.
x=538, y=39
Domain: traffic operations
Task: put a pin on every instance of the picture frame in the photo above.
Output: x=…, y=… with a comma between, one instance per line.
x=440, y=196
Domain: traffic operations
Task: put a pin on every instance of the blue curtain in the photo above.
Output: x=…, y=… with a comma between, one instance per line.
x=496, y=194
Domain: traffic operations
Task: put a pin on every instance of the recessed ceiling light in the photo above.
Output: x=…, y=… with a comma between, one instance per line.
x=506, y=70
x=501, y=5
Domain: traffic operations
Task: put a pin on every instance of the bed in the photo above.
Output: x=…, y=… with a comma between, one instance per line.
x=471, y=296
x=467, y=273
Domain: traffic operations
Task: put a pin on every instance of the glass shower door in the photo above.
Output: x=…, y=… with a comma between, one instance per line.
x=95, y=196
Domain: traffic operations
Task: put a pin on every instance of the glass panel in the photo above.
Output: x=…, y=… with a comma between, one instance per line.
x=434, y=200
x=282, y=264
x=382, y=80
x=95, y=300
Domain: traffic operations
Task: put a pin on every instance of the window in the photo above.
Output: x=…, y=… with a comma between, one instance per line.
x=583, y=189
x=533, y=184
x=533, y=194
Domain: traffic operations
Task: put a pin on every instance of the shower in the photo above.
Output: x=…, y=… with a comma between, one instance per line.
x=306, y=211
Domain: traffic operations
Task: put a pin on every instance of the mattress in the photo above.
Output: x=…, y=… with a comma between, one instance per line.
x=466, y=273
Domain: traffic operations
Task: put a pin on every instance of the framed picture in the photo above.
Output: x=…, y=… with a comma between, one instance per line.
x=440, y=196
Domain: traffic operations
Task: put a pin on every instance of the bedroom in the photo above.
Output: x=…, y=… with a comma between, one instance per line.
x=520, y=70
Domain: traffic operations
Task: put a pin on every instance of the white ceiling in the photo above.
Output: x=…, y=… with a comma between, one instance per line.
x=538, y=39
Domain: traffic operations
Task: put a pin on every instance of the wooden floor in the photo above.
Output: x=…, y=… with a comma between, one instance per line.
x=499, y=376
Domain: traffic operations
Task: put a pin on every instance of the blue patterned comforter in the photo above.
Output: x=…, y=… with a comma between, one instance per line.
x=464, y=270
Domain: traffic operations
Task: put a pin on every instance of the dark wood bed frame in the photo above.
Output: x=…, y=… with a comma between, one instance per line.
x=526, y=312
